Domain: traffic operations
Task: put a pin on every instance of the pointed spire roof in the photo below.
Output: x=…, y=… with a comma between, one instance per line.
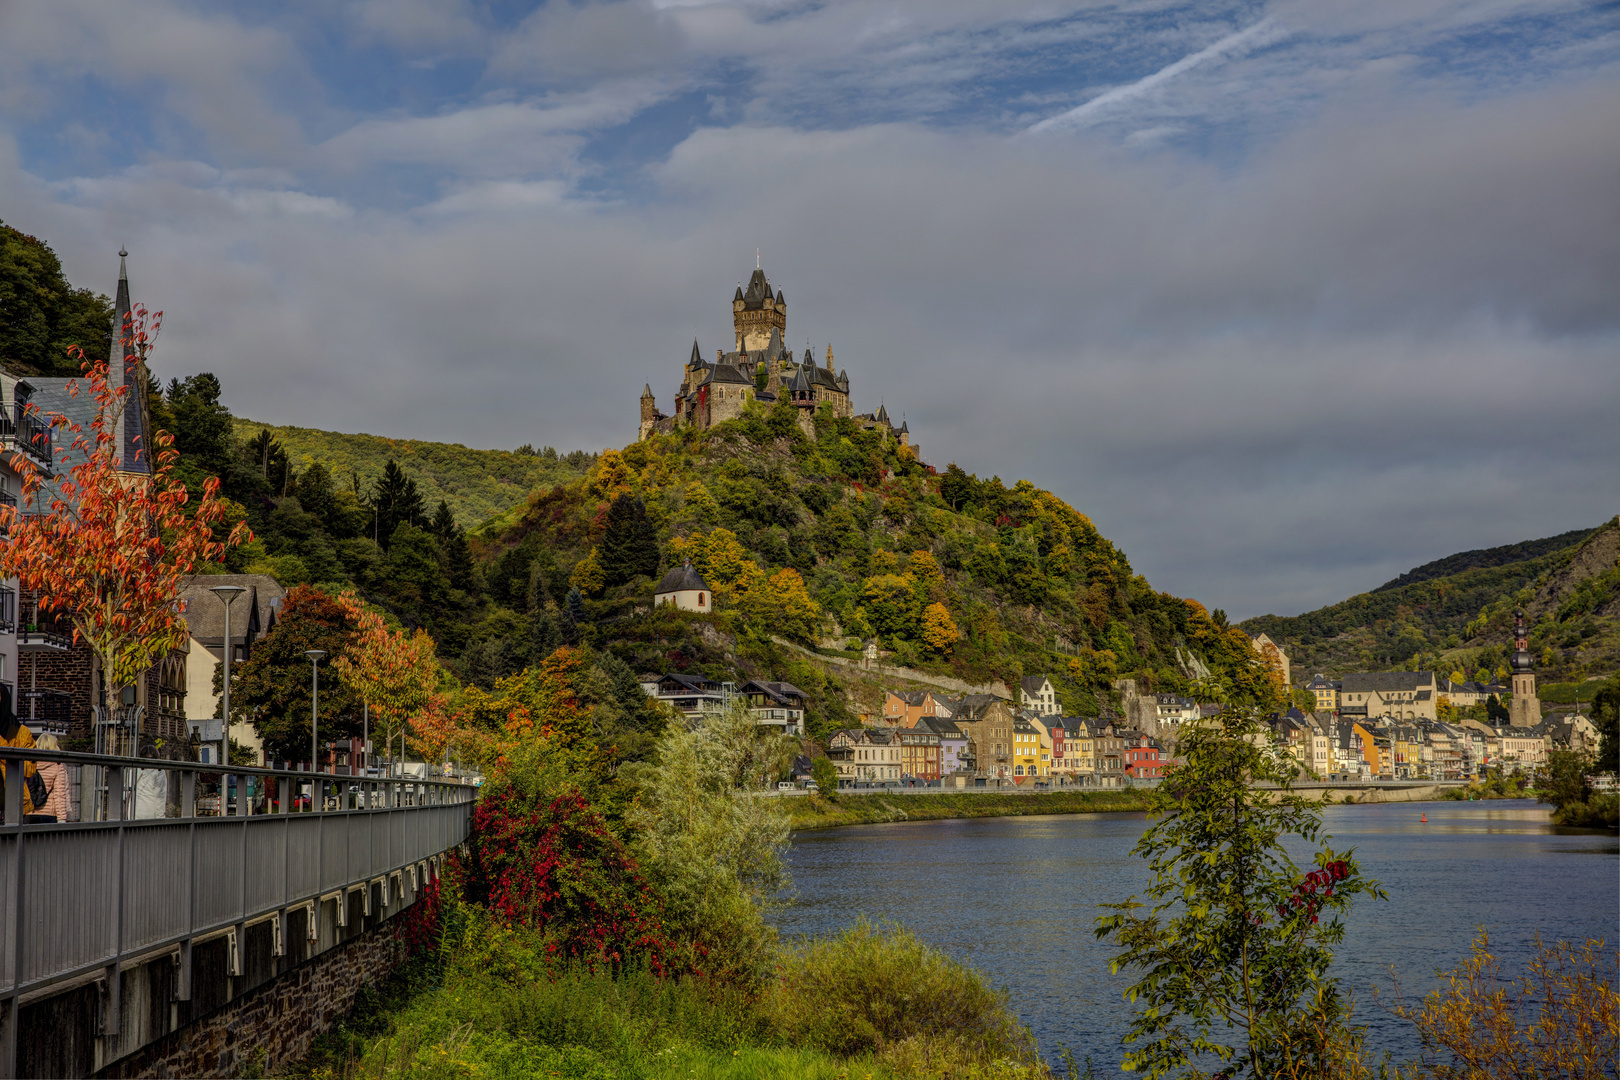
x=758, y=291
x=882, y=414
x=739, y=295
x=697, y=355
x=646, y=391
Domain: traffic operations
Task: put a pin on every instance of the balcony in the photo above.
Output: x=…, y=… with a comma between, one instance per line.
x=29, y=434
x=33, y=638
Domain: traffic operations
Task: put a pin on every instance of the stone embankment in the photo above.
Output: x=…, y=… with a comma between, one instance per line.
x=944, y=682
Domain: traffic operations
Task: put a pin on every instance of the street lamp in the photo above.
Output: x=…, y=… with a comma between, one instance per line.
x=227, y=595
x=314, y=706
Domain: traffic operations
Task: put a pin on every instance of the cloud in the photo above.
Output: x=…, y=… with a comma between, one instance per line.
x=563, y=42
x=1381, y=333
x=1265, y=32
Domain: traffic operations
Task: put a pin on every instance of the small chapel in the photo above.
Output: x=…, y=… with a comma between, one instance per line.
x=760, y=367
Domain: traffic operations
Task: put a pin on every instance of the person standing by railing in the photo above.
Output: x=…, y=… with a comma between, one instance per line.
x=13, y=732
x=54, y=775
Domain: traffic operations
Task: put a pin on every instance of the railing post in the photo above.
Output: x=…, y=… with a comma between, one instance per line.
x=188, y=796
x=8, y=1023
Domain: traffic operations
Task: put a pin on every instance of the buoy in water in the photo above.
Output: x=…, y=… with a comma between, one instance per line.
x=1424, y=819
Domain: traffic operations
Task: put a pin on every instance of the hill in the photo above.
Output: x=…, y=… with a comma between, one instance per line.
x=1462, y=620
x=1487, y=557
x=833, y=540
x=476, y=484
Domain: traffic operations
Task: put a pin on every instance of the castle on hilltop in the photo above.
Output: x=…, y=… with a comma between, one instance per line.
x=760, y=368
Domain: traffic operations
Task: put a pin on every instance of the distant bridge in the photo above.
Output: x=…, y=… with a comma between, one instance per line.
x=298, y=862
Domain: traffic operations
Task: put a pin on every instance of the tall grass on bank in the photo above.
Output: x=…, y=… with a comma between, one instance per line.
x=874, y=1001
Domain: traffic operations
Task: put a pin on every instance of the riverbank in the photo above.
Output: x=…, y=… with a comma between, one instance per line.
x=823, y=812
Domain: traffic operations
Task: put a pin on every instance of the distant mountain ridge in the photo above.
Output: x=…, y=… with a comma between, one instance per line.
x=1568, y=584
x=1487, y=557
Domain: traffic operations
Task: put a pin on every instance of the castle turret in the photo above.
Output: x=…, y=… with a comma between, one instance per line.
x=1525, y=708
x=757, y=311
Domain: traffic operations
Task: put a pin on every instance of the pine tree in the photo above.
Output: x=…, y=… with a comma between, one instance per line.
x=629, y=546
x=443, y=523
x=576, y=606
x=396, y=502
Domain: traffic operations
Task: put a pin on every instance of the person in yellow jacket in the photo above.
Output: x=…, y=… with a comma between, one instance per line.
x=13, y=732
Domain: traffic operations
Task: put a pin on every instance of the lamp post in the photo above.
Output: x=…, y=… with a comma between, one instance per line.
x=314, y=707
x=227, y=595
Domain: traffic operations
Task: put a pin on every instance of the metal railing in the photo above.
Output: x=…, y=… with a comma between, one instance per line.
x=27, y=432
x=78, y=898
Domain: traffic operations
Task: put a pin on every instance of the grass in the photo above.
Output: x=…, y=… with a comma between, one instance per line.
x=831, y=811
x=874, y=1003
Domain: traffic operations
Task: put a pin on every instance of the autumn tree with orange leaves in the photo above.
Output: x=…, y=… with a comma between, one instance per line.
x=394, y=672
x=111, y=546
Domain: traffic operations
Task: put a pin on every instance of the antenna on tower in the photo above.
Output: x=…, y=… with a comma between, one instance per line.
x=756, y=258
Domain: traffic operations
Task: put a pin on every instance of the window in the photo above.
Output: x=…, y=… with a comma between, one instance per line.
x=700, y=599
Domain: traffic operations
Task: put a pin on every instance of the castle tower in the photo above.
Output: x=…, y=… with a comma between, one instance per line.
x=1525, y=708
x=756, y=312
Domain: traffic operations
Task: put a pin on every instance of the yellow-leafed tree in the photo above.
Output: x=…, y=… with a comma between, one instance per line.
x=939, y=629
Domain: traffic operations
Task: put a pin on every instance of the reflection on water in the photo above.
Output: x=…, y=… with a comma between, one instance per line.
x=1017, y=898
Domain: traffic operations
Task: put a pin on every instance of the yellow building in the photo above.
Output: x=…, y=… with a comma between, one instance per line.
x=1031, y=749
x=1326, y=691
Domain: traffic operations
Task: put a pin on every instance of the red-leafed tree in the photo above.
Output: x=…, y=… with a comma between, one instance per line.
x=111, y=545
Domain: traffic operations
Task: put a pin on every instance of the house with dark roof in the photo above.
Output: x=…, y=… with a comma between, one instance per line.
x=775, y=704
x=65, y=692
x=1037, y=695
x=1399, y=695
x=253, y=613
x=685, y=588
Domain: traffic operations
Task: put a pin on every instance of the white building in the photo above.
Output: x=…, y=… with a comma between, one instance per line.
x=685, y=588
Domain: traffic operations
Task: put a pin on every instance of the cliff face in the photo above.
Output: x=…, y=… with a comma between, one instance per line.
x=1597, y=556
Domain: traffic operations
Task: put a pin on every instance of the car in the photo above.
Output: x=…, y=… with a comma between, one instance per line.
x=784, y=785
x=811, y=785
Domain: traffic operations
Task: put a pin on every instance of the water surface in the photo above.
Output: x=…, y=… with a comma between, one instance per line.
x=1017, y=898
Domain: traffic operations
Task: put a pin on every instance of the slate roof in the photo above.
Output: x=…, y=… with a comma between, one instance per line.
x=780, y=691
x=1383, y=682
x=1032, y=683
x=758, y=291
x=684, y=578
x=722, y=373
x=254, y=611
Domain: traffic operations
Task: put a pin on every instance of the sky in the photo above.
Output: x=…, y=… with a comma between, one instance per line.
x=1287, y=297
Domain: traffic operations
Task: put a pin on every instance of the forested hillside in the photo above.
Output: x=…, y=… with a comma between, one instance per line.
x=1462, y=620
x=1488, y=557
x=831, y=541
x=477, y=484
x=812, y=545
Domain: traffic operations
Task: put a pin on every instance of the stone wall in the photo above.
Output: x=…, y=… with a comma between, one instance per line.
x=258, y=1021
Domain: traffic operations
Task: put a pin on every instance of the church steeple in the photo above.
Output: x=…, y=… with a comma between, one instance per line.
x=126, y=369
x=1525, y=708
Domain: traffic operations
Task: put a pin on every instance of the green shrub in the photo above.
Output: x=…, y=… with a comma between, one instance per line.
x=1597, y=812
x=876, y=986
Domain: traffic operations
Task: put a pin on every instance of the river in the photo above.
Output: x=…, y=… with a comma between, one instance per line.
x=1017, y=897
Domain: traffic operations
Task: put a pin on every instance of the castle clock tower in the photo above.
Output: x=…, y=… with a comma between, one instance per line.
x=1525, y=708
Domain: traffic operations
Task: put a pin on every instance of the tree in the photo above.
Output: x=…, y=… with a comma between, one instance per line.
x=939, y=629
x=1232, y=955
x=957, y=488
x=443, y=524
x=782, y=605
x=824, y=773
x=587, y=576
x=629, y=547
x=113, y=545
x=1606, y=718
x=396, y=501
x=41, y=316
x=274, y=685
x=1495, y=711
x=393, y=672
x=1563, y=778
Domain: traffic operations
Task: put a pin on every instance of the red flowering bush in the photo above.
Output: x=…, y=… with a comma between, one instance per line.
x=419, y=924
x=552, y=865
